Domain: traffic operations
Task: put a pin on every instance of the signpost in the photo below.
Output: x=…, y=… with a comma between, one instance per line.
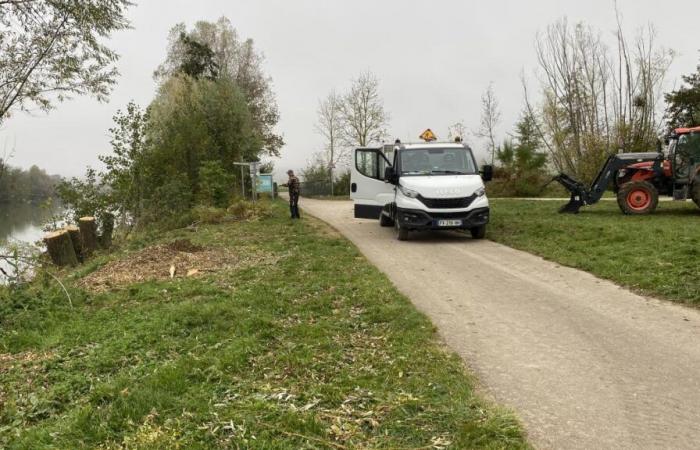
x=253, y=169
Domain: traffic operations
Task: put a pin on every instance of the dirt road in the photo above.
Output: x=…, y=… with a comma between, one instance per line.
x=585, y=363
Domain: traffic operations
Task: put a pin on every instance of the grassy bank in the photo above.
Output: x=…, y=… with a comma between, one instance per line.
x=657, y=255
x=292, y=341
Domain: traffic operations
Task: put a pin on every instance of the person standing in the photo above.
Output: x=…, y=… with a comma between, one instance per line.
x=294, y=190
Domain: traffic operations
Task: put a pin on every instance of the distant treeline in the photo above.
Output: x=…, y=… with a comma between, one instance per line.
x=26, y=186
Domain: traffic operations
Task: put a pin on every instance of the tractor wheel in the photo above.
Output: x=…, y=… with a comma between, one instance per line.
x=695, y=191
x=638, y=197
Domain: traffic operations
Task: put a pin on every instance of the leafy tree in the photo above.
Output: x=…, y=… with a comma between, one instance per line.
x=193, y=121
x=88, y=196
x=26, y=186
x=216, y=185
x=236, y=60
x=683, y=104
x=198, y=59
x=521, y=159
x=51, y=49
x=125, y=171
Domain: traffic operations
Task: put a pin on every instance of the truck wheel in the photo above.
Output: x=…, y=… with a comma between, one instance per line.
x=385, y=221
x=638, y=197
x=401, y=232
x=478, y=232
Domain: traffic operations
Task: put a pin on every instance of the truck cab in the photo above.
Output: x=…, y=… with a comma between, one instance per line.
x=421, y=186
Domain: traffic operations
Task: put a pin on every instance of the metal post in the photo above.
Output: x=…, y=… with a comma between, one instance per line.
x=242, y=182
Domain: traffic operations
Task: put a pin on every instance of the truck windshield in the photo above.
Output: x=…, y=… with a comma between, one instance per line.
x=437, y=161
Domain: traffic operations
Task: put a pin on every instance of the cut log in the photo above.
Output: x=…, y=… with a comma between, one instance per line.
x=107, y=230
x=88, y=235
x=76, y=241
x=60, y=248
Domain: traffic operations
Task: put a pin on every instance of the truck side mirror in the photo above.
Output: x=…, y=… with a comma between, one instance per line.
x=390, y=175
x=487, y=172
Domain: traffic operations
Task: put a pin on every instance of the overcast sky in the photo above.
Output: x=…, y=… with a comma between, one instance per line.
x=434, y=60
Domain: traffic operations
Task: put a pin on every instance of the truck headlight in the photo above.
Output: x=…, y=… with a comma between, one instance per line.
x=480, y=192
x=408, y=192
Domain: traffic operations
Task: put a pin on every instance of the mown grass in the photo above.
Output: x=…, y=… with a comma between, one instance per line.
x=656, y=255
x=315, y=351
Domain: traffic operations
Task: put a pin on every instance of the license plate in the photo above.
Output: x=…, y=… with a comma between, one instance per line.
x=449, y=223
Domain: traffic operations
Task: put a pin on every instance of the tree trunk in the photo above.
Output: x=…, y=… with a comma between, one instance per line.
x=88, y=235
x=60, y=248
x=107, y=230
x=74, y=233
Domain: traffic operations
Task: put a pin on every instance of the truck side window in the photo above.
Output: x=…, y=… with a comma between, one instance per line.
x=370, y=163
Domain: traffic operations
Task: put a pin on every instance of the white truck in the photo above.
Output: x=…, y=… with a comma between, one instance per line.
x=421, y=186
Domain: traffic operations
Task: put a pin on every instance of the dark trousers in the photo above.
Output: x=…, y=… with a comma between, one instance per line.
x=294, y=205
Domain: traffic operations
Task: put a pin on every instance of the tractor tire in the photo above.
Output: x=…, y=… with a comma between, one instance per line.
x=638, y=197
x=385, y=221
x=695, y=191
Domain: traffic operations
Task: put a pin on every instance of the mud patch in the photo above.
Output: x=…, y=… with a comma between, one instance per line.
x=177, y=259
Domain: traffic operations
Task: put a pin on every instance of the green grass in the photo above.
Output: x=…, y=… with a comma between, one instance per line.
x=656, y=255
x=317, y=350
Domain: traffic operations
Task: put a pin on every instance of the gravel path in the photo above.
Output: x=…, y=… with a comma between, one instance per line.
x=585, y=363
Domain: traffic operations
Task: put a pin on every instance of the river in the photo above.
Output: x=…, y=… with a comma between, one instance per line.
x=21, y=223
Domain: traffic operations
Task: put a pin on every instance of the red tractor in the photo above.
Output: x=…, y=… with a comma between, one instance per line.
x=639, y=178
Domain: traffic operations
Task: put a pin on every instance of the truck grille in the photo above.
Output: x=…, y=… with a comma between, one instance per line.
x=447, y=203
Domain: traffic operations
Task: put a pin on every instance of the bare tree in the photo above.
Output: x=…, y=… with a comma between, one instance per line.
x=364, y=117
x=595, y=100
x=457, y=130
x=330, y=126
x=490, y=118
x=51, y=50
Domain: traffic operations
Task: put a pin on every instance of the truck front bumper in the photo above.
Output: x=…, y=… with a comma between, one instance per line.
x=415, y=219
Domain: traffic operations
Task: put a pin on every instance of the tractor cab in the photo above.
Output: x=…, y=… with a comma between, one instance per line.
x=684, y=154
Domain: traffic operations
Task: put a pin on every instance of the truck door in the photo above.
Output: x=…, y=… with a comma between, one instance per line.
x=367, y=186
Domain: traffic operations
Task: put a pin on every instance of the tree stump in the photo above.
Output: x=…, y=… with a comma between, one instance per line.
x=60, y=248
x=76, y=240
x=88, y=235
x=107, y=230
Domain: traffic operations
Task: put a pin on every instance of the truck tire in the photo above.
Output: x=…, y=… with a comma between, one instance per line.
x=478, y=232
x=385, y=221
x=401, y=232
x=638, y=197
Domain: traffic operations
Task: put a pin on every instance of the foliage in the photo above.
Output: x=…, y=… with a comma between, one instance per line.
x=307, y=346
x=603, y=241
x=215, y=184
x=20, y=186
x=124, y=167
x=316, y=170
x=197, y=59
x=233, y=59
x=683, y=104
x=88, y=196
x=522, y=163
x=52, y=50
